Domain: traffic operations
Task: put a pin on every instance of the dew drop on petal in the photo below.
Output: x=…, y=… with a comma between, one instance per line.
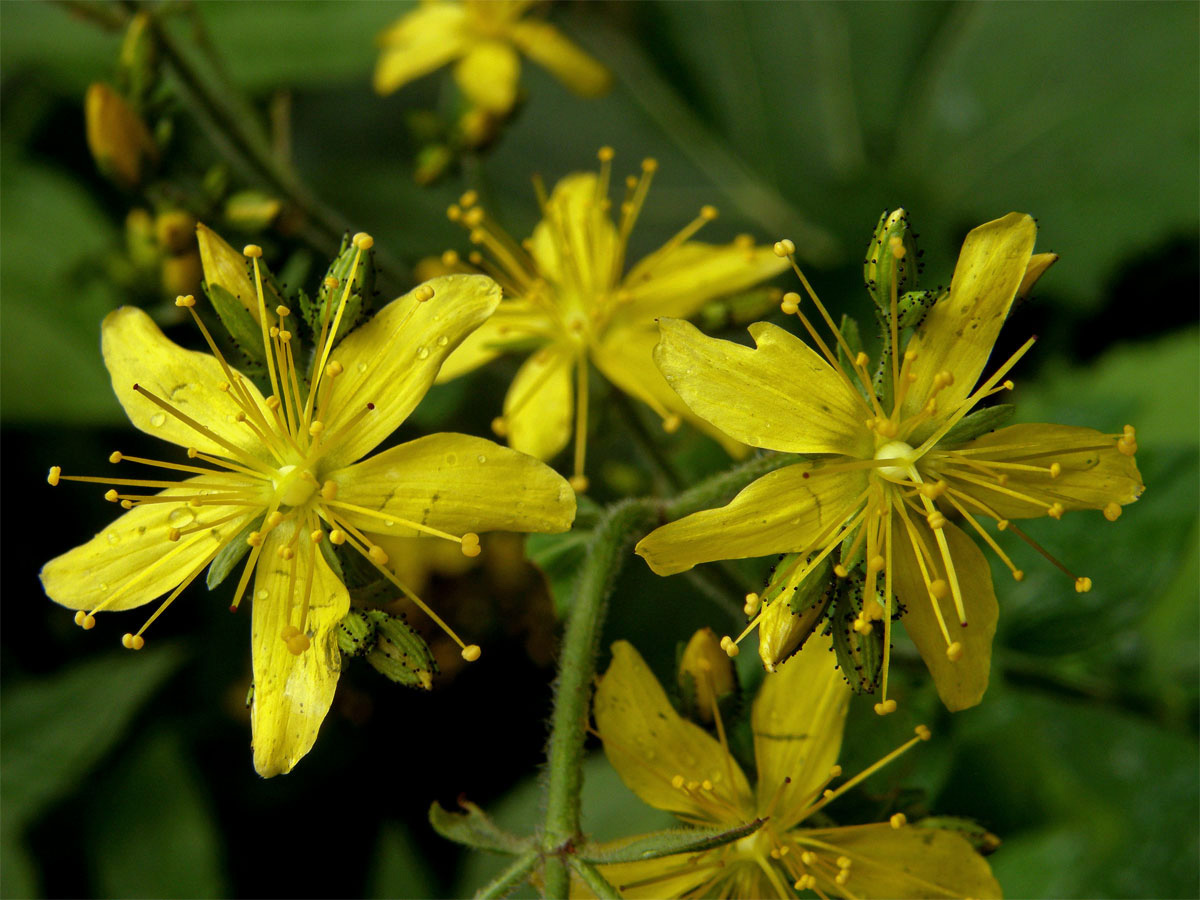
x=422, y=352
x=361, y=367
x=180, y=516
x=390, y=523
x=158, y=419
x=261, y=594
x=443, y=341
x=104, y=585
x=481, y=458
x=113, y=537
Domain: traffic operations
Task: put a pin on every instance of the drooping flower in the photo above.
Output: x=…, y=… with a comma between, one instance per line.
x=275, y=477
x=484, y=38
x=797, y=719
x=569, y=299
x=897, y=481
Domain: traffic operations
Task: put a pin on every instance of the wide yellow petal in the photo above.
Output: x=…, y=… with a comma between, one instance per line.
x=683, y=281
x=512, y=323
x=134, y=559
x=488, y=76
x=1094, y=473
x=393, y=359
x=780, y=396
x=137, y=352
x=576, y=225
x=454, y=483
x=538, y=405
x=626, y=358
x=292, y=693
x=424, y=40
x=652, y=879
x=416, y=559
x=909, y=862
x=225, y=267
x=798, y=720
x=960, y=684
x=549, y=48
x=649, y=744
x=958, y=334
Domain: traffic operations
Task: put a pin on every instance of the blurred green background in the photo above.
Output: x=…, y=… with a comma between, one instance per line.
x=129, y=774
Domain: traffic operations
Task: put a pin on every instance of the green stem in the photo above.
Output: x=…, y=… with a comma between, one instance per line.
x=593, y=879
x=510, y=877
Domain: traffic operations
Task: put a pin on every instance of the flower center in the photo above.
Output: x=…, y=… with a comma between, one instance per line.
x=900, y=451
x=294, y=485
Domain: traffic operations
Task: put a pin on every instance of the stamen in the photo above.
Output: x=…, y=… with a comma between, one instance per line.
x=579, y=482
x=207, y=432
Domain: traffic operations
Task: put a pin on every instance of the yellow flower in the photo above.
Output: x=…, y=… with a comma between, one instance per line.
x=484, y=36
x=116, y=135
x=888, y=477
x=569, y=298
x=797, y=720
x=276, y=477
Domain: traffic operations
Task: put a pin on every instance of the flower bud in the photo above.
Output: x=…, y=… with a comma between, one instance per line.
x=705, y=674
x=790, y=615
x=225, y=268
x=859, y=651
x=891, y=256
x=116, y=136
x=137, y=62
x=252, y=211
x=351, y=267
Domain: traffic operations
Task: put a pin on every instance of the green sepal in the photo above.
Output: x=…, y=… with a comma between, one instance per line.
x=860, y=656
x=881, y=267
x=231, y=554
x=913, y=306
x=748, y=306
x=474, y=828
x=989, y=418
x=399, y=652
x=137, y=62
x=783, y=631
x=668, y=842
x=325, y=306
x=243, y=328
x=979, y=837
x=356, y=634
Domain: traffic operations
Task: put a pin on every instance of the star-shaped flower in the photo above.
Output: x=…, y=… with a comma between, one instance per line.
x=894, y=487
x=276, y=477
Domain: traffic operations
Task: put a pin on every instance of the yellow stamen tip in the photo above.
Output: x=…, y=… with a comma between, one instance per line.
x=840, y=571
x=252, y=250
x=898, y=821
x=790, y=303
x=316, y=428
x=842, y=876
x=875, y=564
x=298, y=643
x=132, y=641
x=337, y=537
x=677, y=782
x=784, y=248
x=286, y=553
x=80, y=615
x=1055, y=511
x=1112, y=511
x=649, y=164
x=1083, y=584
x=111, y=495
x=922, y=732
x=708, y=213
x=55, y=474
x=671, y=424
x=468, y=199
x=1018, y=574
x=499, y=426
x=187, y=302
x=808, y=857
x=939, y=588
x=861, y=359
x=470, y=544
x=843, y=862
x=936, y=520
x=730, y=648
x=954, y=652
x=173, y=534
x=885, y=708
x=471, y=652
x=254, y=539
x=423, y=294
x=1055, y=469
x=579, y=483
x=115, y=456
x=364, y=241
x=329, y=490
x=376, y=555
x=896, y=245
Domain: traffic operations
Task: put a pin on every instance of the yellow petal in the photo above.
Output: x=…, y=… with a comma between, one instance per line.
x=488, y=76
x=649, y=744
x=133, y=556
x=424, y=40
x=1090, y=478
x=513, y=323
x=393, y=359
x=626, y=358
x=668, y=876
x=681, y=283
x=226, y=267
x=1038, y=264
x=576, y=223
x=909, y=862
x=546, y=46
x=137, y=352
x=455, y=483
x=958, y=334
x=791, y=509
x=798, y=720
x=781, y=396
x=538, y=405
x=960, y=684
x=292, y=693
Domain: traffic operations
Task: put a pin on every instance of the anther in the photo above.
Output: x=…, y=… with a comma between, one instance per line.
x=173, y=534
x=126, y=504
x=186, y=302
x=887, y=707
x=730, y=648
x=861, y=359
x=363, y=241
x=55, y=474
x=337, y=537
x=790, y=303
x=579, y=483
x=470, y=544
x=316, y=427
x=471, y=652
x=1002, y=524
x=468, y=199
x=1112, y=511
x=875, y=564
x=843, y=862
x=840, y=571
x=1083, y=584
x=282, y=311
x=862, y=626
x=254, y=539
x=943, y=379
x=285, y=336
x=192, y=452
x=939, y=588
x=808, y=857
x=253, y=251
x=605, y=154
x=85, y=621
x=649, y=164
x=936, y=520
x=499, y=426
x=954, y=652
x=898, y=821
x=1055, y=469
x=111, y=495
x=331, y=283
x=423, y=293
x=376, y=555
x=671, y=424
x=1127, y=444
x=922, y=732
x=334, y=369
x=298, y=643
x=450, y=259
x=677, y=782
x=274, y=519
x=753, y=601
x=708, y=213
x=896, y=246
x=842, y=876
x=1055, y=511
x=784, y=248
x=1018, y=574
x=132, y=641
x=286, y=552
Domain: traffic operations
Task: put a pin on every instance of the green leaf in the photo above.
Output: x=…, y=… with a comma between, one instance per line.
x=668, y=842
x=474, y=829
x=231, y=554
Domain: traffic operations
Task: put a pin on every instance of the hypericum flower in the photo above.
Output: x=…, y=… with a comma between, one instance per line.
x=484, y=37
x=797, y=719
x=276, y=477
x=892, y=471
x=569, y=299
